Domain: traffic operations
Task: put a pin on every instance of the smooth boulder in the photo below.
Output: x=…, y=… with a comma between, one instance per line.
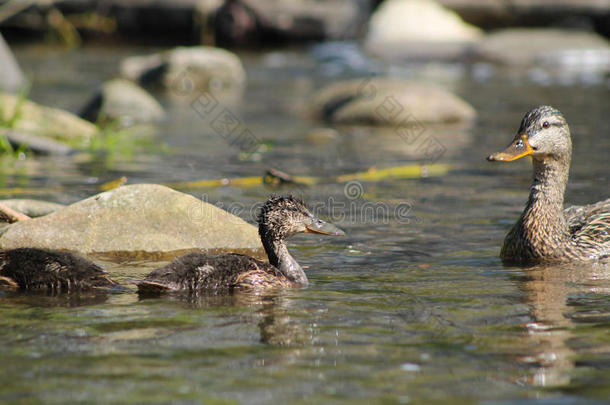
x=185, y=70
x=401, y=29
x=136, y=218
x=531, y=46
x=123, y=101
x=25, y=116
x=389, y=102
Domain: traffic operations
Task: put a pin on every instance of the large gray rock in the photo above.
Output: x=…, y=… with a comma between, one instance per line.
x=184, y=70
x=124, y=101
x=11, y=78
x=137, y=218
x=418, y=28
x=28, y=117
x=389, y=102
x=530, y=46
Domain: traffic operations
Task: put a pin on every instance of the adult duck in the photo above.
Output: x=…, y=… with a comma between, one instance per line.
x=546, y=231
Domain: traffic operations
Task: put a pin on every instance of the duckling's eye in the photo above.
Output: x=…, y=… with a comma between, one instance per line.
x=545, y=124
x=519, y=144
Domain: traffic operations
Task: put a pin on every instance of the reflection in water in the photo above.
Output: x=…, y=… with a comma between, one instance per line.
x=357, y=147
x=278, y=326
x=53, y=299
x=213, y=299
x=274, y=312
x=549, y=289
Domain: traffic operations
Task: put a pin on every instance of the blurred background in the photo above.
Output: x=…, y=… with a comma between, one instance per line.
x=267, y=23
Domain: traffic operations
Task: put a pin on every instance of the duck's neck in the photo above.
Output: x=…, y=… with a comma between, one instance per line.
x=545, y=201
x=542, y=224
x=280, y=257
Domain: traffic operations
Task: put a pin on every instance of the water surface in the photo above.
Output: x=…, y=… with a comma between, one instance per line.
x=411, y=306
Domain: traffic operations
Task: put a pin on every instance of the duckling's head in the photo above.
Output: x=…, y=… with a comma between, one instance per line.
x=543, y=134
x=283, y=216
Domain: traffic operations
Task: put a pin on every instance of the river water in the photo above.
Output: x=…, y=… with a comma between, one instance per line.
x=412, y=306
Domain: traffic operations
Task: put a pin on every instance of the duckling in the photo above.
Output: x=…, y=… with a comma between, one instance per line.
x=279, y=218
x=39, y=269
x=546, y=232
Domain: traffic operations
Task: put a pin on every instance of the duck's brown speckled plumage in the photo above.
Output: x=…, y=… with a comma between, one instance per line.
x=280, y=218
x=218, y=273
x=545, y=231
x=39, y=269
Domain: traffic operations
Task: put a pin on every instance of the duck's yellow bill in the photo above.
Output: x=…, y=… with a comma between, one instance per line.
x=517, y=149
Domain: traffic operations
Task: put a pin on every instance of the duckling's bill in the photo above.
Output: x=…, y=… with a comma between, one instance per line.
x=323, y=228
x=519, y=148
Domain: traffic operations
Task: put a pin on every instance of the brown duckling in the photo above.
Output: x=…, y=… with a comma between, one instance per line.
x=280, y=218
x=39, y=269
x=545, y=231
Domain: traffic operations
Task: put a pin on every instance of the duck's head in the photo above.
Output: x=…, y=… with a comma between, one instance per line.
x=284, y=216
x=543, y=134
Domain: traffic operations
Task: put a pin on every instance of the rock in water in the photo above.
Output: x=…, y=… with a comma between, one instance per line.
x=530, y=46
x=389, y=102
x=137, y=218
x=184, y=70
x=401, y=29
x=28, y=117
x=125, y=101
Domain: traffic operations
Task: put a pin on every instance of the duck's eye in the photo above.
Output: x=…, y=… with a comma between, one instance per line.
x=545, y=124
x=519, y=144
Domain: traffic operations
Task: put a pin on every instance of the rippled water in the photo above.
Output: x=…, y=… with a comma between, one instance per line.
x=410, y=307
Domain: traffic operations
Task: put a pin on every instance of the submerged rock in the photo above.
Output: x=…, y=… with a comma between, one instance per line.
x=418, y=28
x=530, y=46
x=187, y=69
x=124, y=101
x=389, y=102
x=137, y=218
x=28, y=117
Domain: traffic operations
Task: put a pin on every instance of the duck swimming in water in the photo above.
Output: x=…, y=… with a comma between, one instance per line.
x=280, y=218
x=39, y=269
x=545, y=231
